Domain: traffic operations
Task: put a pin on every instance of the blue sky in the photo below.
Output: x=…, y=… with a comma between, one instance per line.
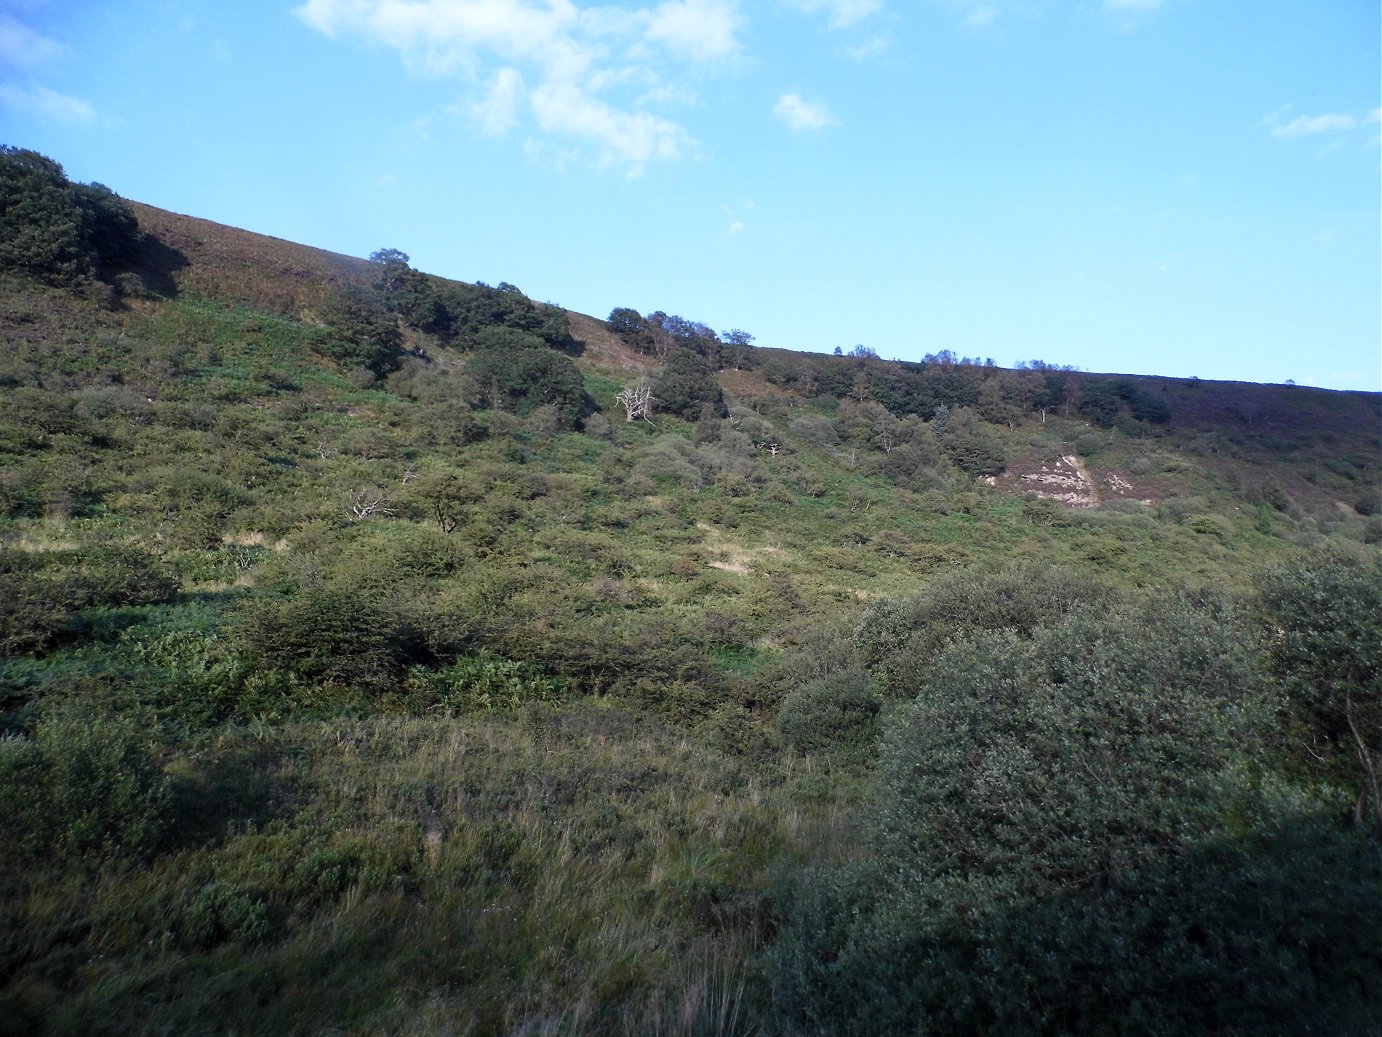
x=1177, y=187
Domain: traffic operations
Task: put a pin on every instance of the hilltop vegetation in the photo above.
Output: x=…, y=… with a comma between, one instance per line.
x=369, y=663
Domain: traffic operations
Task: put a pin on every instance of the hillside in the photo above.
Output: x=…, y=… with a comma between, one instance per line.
x=363, y=669
x=1315, y=449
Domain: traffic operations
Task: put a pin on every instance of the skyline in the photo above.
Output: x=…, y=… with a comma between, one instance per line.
x=1134, y=186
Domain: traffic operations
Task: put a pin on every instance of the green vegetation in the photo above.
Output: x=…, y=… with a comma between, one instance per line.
x=364, y=670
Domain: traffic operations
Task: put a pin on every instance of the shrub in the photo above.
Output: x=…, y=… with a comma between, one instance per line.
x=333, y=634
x=524, y=379
x=1068, y=839
x=899, y=637
x=1324, y=615
x=58, y=231
x=685, y=384
x=361, y=332
x=41, y=592
x=84, y=787
x=834, y=716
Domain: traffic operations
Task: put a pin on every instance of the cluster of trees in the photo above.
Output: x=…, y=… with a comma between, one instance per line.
x=661, y=334
x=1106, y=402
x=457, y=312
x=64, y=233
x=515, y=365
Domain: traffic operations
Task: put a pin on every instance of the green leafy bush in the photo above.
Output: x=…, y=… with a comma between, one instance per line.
x=899, y=637
x=834, y=716
x=361, y=332
x=686, y=384
x=1068, y=838
x=524, y=379
x=85, y=786
x=333, y=634
x=41, y=592
x=1324, y=615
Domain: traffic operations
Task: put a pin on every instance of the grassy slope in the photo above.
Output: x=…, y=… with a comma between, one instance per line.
x=593, y=864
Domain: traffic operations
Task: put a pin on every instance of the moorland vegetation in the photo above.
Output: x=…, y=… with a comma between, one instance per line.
x=385, y=654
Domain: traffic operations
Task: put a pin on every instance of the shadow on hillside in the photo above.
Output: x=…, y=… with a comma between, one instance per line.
x=157, y=266
x=568, y=344
x=1275, y=932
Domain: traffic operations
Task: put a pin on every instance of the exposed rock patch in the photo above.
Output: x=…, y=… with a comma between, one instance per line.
x=1067, y=481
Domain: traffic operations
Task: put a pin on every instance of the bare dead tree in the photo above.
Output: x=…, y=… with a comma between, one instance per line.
x=369, y=501
x=637, y=400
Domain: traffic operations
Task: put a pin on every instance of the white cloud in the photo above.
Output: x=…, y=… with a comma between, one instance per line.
x=700, y=29
x=802, y=115
x=628, y=139
x=45, y=103
x=587, y=73
x=23, y=47
x=840, y=13
x=735, y=214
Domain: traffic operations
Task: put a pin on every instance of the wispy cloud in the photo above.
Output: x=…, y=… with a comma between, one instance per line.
x=585, y=74
x=736, y=214
x=802, y=116
x=1282, y=122
x=703, y=30
x=497, y=111
x=870, y=47
x=34, y=99
x=1304, y=125
x=983, y=14
x=1132, y=6
x=22, y=47
x=26, y=51
x=840, y=13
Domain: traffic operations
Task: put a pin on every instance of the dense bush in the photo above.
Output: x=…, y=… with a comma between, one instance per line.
x=1068, y=839
x=900, y=637
x=42, y=593
x=334, y=633
x=524, y=379
x=361, y=332
x=1324, y=614
x=833, y=716
x=85, y=786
